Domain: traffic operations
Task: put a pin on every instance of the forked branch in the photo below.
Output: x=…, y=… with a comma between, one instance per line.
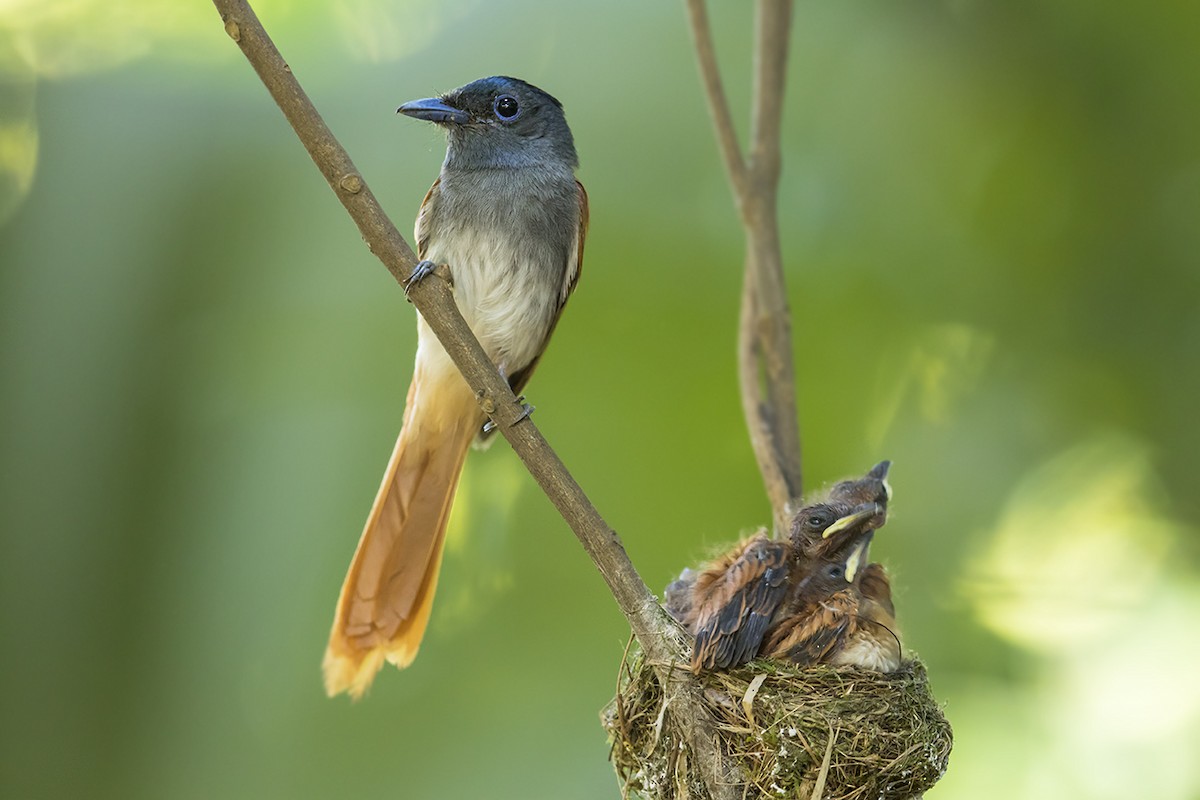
x=766, y=370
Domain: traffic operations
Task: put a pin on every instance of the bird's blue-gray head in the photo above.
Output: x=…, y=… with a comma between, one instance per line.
x=499, y=122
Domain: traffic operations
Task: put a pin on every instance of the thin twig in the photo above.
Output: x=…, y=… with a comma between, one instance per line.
x=655, y=631
x=759, y=419
x=819, y=787
x=718, y=105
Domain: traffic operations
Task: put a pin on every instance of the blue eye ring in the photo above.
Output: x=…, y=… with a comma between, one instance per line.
x=506, y=107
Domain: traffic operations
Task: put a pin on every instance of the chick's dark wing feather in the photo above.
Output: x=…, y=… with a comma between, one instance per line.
x=738, y=598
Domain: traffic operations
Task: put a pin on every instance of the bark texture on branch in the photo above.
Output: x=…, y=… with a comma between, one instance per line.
x=657, y=634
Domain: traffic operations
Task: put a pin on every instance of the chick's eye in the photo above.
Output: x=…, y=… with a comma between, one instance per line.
x=835, y=572
x=816, y=521
x=507, y=107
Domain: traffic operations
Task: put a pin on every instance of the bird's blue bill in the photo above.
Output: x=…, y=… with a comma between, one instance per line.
x=433, y=109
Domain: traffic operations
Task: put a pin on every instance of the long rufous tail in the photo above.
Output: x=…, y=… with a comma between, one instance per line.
x=388, y=593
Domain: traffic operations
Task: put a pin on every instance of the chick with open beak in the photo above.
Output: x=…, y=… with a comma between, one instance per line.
x=851, y=506
x=799, y=599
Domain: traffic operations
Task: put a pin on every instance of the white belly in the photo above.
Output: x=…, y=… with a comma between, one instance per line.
x=509, y=305
x=510, y=238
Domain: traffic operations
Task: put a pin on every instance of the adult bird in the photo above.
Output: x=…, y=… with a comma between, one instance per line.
x=508, y=217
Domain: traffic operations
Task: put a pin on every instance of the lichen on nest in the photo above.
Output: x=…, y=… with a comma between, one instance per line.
x=861, y=735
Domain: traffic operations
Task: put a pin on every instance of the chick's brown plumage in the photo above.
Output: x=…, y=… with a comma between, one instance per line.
x=802, y=599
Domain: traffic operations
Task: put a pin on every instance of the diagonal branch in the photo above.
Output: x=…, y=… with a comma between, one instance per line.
x=718, y=105
x=658, y=635
x=766, y=370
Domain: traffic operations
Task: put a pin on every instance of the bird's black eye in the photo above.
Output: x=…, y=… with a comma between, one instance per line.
x=507, y=108
x=815, y=521
x=835, y=571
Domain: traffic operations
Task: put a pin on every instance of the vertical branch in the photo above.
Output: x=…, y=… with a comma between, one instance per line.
x=772, y=31
x=772, y=320
x=766, y=369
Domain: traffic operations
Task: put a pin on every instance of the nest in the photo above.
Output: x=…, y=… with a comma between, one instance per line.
x=812, y=732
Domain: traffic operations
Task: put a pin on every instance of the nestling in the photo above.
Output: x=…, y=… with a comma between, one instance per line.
x=840, y=613
x=771, y=597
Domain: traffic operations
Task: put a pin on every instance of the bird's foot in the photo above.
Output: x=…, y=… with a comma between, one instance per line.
x=526, y=410
x=420, y=272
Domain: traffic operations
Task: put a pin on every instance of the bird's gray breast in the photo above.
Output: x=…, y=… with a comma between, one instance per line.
x=509, y=237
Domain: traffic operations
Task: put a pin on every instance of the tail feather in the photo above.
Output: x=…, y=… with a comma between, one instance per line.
x=387, y=596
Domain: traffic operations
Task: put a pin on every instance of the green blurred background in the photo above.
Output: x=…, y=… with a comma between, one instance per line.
x=990, y=224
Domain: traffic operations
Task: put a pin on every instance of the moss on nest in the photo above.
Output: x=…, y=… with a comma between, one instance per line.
x=862, y=735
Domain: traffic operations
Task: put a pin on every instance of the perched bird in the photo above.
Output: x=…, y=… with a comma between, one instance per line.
x=734, y=604
x=508, y=217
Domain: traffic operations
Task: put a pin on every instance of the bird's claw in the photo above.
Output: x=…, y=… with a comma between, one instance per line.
x=420, y=272
x=526, y=410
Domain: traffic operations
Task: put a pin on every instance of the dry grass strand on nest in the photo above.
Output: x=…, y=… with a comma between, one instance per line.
x=862, y=735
